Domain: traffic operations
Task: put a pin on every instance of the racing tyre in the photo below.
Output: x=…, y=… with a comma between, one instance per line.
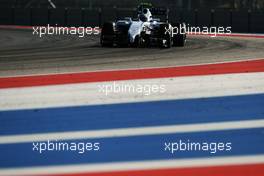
x=138, y=42
x=180, y=38
x=168, y=42
x=107, y=34
x=165, y=36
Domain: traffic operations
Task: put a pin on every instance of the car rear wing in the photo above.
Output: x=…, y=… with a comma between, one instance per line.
x=160, y=12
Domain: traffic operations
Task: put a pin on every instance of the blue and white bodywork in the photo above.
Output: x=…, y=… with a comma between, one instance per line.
x=144, y=31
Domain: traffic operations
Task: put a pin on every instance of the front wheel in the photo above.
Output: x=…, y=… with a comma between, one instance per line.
x=166, y=42
x=138, y=42
x=165, y=36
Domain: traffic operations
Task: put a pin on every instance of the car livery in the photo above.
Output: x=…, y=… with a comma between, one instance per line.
x=145, y=31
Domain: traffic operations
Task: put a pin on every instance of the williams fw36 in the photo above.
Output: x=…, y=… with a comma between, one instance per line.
x=145, y=31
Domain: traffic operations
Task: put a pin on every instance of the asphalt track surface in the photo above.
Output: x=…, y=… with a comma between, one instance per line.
x=22, y=53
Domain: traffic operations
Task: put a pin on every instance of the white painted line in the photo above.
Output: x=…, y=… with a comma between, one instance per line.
x=136, y=131
x=89, y=93
x=133, y=166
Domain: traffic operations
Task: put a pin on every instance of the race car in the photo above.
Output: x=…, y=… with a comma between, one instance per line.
x=145, y=31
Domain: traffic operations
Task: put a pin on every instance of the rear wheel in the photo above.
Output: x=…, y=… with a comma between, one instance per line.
x=107, y=34
x=179, y=39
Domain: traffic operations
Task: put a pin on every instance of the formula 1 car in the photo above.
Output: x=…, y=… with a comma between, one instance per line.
x=143, y=32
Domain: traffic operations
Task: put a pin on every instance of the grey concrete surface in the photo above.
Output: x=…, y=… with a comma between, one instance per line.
x=22, y=53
